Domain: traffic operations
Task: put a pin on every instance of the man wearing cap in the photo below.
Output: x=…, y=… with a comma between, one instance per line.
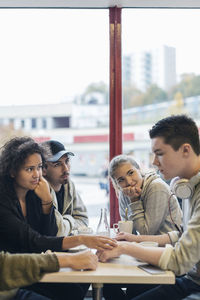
x=70, y=211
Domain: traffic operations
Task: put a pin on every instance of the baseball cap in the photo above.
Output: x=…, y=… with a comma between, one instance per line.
x=57, y=150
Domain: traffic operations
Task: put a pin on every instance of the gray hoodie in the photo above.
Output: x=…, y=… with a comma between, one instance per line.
x=151, y=214
x=74, y=212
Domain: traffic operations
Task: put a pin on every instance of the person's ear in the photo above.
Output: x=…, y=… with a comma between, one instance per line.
x=186, y=148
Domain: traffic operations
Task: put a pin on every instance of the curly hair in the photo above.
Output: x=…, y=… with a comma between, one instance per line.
x=13, y=155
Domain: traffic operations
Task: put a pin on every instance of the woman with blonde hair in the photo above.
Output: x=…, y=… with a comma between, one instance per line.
x=144, y=198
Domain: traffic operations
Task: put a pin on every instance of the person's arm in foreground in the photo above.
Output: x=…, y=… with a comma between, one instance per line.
x=162, y=239
x=180, y=258
x=148, y=254
x=85, y=260
x=18, y=270
x=151, y=255
x=18, y=236
x=91, y=241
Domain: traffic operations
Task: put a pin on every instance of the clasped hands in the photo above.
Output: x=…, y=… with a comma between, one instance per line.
x=123, y=240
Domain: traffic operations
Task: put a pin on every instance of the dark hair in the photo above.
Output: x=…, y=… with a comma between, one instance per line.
x=13, y=155
x=177, y=130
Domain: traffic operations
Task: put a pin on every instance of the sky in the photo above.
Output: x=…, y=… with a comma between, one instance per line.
x=51, y=56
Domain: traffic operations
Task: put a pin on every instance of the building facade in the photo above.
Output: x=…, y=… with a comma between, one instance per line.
x=156, y=66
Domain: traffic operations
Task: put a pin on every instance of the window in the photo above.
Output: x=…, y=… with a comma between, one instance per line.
x=33, y=123
x=63, y=58
x=44, y=123
x=163, y=73
x=22, y=123
x=61, y=122
x=54, y=75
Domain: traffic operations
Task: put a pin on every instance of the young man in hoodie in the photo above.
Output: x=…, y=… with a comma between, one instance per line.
x=71, y=212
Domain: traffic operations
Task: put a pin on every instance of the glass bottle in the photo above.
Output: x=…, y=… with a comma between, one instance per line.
x=103, y=228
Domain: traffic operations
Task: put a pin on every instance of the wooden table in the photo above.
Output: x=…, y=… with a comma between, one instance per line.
x=119, y=270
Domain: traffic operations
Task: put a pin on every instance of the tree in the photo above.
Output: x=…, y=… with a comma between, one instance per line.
x=189, y=86
x=93, y=88
x=8, y=132
x=131, y=96
x=154, y=94
x=177, y=105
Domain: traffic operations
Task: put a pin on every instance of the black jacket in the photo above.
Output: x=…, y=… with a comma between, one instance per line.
x=35, y=233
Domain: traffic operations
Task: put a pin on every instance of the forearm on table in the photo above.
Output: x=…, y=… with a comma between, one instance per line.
x=70, y=242
x=151, y=254
x=162, y=239
x=64, y=260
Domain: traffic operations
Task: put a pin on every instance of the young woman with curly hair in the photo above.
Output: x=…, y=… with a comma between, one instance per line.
x=27, y=219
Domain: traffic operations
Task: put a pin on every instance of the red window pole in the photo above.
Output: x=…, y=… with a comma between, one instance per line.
x=115, y=136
